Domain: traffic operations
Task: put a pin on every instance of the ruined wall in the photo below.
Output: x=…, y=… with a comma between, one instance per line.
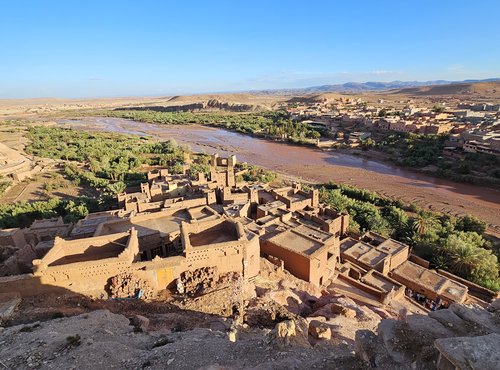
x=384, y=266
x=340, y=220
x=27, y=285
x=378, y=293
x=228, y=257
x=283, y=199
x=186, y=203
x=229, y=197
x=240, y=255
x=295, y=263
x=85, y=276
x=150, y=206
x=419, y=261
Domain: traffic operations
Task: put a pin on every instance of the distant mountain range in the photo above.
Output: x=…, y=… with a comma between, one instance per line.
x=369, y=86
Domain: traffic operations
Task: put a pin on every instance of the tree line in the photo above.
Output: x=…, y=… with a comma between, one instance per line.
x=275, y=124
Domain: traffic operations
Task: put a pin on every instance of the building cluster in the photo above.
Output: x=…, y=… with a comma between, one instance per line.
x=471, y=127
x=178, y=224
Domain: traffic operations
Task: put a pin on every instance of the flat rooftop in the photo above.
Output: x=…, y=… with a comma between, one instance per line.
x=90, y=224
x=362, y=252
x=272, y=205
x=147, y=224
x=347, y=243
x=200, y=213
x=313, y=232
x=375, y=278
x=296, y=242
x=42, y=224
x=391, y=246
x=430, y=280
x=373, y=238
x=373, y=257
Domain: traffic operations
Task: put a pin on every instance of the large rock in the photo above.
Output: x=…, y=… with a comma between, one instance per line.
x=366, y=343
x=25, y=256
x=427, y=325
x=494, y=306
x=11, y=266
x=483, y=321
x=8, y=304
x=469, y=352
x=290, y=333
x=387, y=331
x=412, y=342
x=339, y=309
x=140, y=322
x=450, y=321
x=264, y=312
x=320, y=330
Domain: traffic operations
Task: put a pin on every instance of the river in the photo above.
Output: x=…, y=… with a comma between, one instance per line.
x=316, y=165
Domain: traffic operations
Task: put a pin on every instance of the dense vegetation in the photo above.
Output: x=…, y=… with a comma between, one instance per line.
x=476, y=168
x=416, y=150
x=106, y=162
x=451, y=243
x=413, y=150
x=22, y=214
x=108, y=157
x=4, y=184
x=257, y=174
x=268, y=124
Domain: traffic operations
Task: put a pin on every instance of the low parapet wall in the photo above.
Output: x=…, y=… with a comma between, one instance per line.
x=419, y=261
x=475, y=290
x=379, y=294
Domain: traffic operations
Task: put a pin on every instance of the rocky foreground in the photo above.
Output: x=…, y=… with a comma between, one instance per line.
x=277, y=322
x=101, y=339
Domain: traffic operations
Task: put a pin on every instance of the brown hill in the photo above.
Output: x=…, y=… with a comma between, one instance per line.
x=485, y=90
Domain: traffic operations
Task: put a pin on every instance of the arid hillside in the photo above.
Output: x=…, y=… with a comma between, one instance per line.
x=483, y=90
x=245, y=102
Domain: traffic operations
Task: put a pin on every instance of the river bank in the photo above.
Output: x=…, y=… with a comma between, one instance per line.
x=314, y=165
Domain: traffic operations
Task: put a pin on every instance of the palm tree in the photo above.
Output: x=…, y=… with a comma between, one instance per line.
x=116, y=188
x=423, y=222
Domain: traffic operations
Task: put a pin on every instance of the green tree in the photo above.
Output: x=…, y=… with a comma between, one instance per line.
x=116, y=188
x=471, y=223
x=423, y=222
x=468, y=259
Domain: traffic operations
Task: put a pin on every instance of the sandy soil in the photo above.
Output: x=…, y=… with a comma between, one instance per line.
x=33, y=189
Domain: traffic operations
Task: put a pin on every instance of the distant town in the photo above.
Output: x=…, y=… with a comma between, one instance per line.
x=472, y=127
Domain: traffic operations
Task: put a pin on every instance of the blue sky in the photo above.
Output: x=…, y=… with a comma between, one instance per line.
x=123, y=48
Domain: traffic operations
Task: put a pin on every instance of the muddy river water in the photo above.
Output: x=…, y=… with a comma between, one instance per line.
x=316, y=165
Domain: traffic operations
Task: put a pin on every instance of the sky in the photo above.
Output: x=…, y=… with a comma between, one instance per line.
x=107, y=48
